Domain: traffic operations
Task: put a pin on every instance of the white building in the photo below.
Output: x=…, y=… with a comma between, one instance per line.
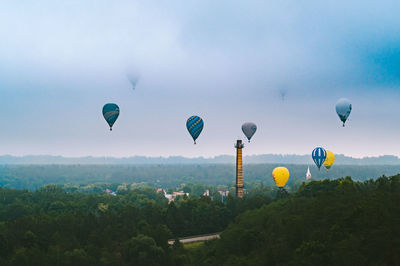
x=223, y=192
x=308, y=174
x=171, y=197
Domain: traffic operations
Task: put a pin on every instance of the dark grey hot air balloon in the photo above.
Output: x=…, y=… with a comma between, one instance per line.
x=249, y=129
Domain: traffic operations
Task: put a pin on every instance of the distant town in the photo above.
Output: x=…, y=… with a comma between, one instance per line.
x=172, y=196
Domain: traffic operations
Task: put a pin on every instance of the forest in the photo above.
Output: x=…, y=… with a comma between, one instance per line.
x=32, y=177
x=323, y=222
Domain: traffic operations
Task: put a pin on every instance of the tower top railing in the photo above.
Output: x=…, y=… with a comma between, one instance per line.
x=239, y=144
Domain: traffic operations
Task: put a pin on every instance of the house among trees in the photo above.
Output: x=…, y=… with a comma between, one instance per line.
x=223, y=192
x=171, y=197
x=110, y=192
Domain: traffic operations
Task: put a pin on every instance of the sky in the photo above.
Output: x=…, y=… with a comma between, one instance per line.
x=225, y=61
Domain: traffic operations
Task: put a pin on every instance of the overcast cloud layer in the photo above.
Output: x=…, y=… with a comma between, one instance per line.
x=226, y=61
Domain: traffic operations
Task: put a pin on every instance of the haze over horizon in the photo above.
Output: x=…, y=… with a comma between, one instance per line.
x=224, y=61
x=190, y=157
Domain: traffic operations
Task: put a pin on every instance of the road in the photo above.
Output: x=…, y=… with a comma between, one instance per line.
x=194, y=239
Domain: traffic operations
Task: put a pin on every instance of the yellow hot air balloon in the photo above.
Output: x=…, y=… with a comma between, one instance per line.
x=281, y=176
x=330, y=159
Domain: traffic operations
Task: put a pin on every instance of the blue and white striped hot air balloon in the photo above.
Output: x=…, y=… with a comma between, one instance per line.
x=194, y=125
x=319, y=156
x=110, y=113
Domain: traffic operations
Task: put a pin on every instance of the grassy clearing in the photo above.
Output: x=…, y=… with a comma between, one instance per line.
x=193, y=245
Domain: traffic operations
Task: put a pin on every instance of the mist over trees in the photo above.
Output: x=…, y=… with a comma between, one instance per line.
x=170, y=176
x=220, y=159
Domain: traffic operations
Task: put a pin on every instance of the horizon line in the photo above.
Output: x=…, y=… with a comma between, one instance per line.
x=187, y=157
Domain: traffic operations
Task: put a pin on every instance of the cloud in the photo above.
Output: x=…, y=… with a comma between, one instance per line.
x=259, y=42
x=224, y=60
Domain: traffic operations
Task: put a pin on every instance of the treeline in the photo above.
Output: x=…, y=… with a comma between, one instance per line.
x=53, y=227
x=170, y=176
x=326, y=222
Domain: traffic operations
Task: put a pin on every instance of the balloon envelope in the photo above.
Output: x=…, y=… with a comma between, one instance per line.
x=110, y=113
x=133, y=80
x=343, y=109
x=282, y=94
x=280, y=176
x=249, y=129
x=330, y=159
x=194, y=125
x=319, y=156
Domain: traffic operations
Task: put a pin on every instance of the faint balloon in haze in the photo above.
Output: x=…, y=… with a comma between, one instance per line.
x=249, y=129
x=133, y=79
x=343, y=109
x=282, y=93
x=110, y=113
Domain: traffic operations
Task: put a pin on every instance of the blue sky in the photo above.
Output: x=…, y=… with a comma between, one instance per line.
x=225, y=61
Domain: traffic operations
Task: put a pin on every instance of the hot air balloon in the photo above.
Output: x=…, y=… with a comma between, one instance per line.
x=110, y=113
x=330, y=159
x=249, y=129
x=319, y=156
x=343, y=109
x=133, y=79
x=132, y=73
x=194, y=125
x=281, y=176
x=282, y=93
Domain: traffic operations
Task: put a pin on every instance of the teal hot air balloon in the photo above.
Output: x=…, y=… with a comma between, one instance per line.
x=110, y=113
x=343, y=109
x=194, y=125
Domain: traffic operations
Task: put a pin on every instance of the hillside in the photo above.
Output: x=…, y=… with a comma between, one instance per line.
x=337, y=222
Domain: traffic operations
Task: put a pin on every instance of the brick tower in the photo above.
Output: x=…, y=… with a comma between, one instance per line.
x=239, y=169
